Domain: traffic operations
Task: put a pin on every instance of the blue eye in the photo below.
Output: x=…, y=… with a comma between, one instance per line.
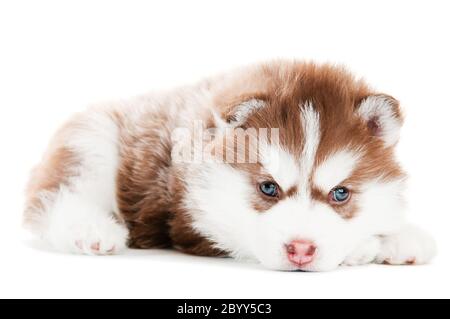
x=339, y=195
x=269, y=189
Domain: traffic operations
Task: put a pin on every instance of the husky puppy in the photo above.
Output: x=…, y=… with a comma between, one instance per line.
x=290, y=164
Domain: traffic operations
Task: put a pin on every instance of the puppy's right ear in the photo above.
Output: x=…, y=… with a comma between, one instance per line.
x=237, y=114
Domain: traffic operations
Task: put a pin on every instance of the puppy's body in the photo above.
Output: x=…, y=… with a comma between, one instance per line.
x=112, y=176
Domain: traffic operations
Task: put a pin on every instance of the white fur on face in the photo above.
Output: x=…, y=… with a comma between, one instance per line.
x=334, y=169
x=218, y=199
x=223, y=213
x=299, y=218
x=381, y=207
x=311, y=130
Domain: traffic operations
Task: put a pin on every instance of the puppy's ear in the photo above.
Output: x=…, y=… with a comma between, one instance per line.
x=383, y=117
x=237, y=113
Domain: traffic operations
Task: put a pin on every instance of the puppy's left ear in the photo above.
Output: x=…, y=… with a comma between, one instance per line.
x=237, y=113
x=383, y=117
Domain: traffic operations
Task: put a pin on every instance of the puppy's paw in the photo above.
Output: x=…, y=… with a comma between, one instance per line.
x=365, y=253
x=106, y=238
x=103, y=236
x=410, y=246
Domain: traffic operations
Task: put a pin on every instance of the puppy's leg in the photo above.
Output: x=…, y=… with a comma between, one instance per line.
x=409, y=246
x=71, y=199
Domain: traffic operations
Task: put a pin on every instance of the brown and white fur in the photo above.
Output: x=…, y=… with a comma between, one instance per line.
x=109, y=179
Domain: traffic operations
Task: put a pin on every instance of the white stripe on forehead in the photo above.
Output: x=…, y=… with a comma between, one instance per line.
x=334, y=169
x=311, y=136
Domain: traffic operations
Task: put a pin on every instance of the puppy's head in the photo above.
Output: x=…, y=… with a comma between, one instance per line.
x=310, y=170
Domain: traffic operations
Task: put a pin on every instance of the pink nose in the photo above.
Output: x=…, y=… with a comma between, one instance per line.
x=300, y=252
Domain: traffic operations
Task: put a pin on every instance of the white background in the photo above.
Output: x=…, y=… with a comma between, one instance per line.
x=56, y=57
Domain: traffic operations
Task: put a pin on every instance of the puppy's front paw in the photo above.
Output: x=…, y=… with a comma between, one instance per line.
x=102, y=236
x=365, y=253
x=408, y=247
